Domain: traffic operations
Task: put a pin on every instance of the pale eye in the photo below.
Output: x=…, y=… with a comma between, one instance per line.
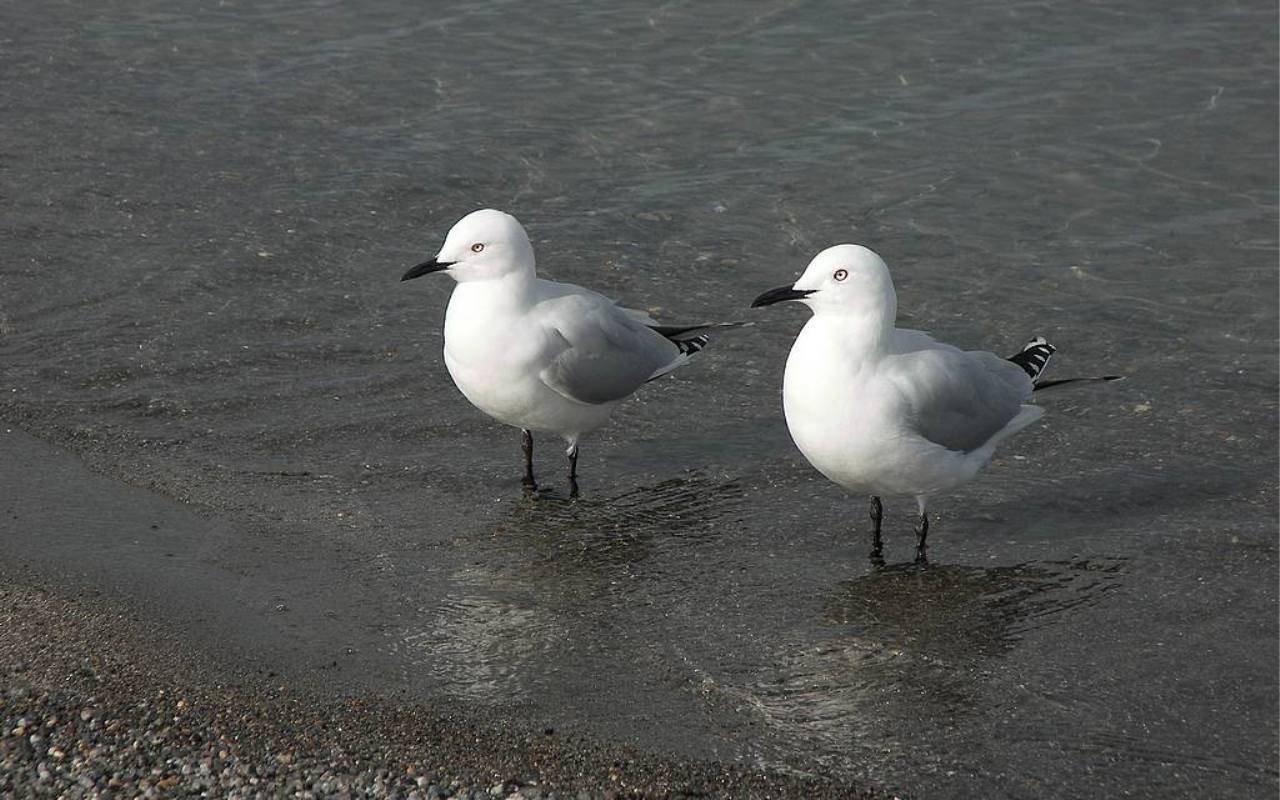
x=840, y=274
x=477, y=247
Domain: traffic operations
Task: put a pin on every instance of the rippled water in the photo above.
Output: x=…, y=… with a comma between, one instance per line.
x=206, y=210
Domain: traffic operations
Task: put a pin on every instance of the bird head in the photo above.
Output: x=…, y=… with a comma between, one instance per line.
x=844, y=279
x=483, y=245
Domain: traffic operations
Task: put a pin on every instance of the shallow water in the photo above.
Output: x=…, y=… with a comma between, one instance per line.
x=206, y=211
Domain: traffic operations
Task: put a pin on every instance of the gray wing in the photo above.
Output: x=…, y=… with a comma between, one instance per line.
x=643, y=317
x=601, y=353
x=958, y=399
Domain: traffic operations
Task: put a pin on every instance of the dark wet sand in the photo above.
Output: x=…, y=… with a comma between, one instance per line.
x=162, y=682
x=95, y=699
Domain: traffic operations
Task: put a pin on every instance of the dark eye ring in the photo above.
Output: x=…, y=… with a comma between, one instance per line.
x=477, y=247
x=840, y=274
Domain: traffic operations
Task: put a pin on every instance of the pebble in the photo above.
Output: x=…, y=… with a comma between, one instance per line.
x=39, y=754
x=86, y=729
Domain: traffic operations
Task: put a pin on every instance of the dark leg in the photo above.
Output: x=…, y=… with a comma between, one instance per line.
x=573, y=471
x=922, y=531
x=526, y=444
x=877, y=514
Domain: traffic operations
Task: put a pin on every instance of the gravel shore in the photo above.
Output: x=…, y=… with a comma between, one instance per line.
x=95, y=704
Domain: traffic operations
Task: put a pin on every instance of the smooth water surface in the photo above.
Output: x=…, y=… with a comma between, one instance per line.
x=206, y=209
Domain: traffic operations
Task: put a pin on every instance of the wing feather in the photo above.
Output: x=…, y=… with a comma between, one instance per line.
x=957, y=399
x=602, y=352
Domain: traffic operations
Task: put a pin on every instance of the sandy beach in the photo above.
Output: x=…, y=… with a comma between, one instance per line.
x=99, y=703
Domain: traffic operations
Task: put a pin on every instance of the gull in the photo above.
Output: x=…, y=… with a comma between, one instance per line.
x=884, y=410
x=540, y=355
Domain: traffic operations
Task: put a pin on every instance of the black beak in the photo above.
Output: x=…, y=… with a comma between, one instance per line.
x=425, y=268
x=780, y=294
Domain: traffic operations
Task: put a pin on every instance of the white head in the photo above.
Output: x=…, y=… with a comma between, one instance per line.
x=845, y=279
x=483, y=245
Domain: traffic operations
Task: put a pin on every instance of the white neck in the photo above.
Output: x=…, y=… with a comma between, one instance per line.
x=864, y=331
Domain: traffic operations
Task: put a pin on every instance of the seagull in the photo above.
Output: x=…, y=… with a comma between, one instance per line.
x=884, y=410
x=540, y=355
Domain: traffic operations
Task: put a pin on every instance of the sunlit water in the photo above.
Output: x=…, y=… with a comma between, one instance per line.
x=206, y=209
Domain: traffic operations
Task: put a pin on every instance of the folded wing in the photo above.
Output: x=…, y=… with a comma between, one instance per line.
x=957, y=399
x=600, y=353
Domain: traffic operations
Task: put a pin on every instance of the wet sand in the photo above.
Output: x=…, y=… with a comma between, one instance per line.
x=96, y=701
x=170, y=679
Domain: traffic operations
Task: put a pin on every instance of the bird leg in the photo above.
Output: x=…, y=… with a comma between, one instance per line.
x=526, y=444
x=573, y=471
x=922, y=531
x=877, y=514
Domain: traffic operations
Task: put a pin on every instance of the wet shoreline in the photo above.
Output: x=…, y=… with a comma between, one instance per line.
x=82, y=549
x=123, y=682
x=96, y=701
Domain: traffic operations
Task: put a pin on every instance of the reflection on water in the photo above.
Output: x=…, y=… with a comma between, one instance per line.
x=963, y=612
x=545, y=577
x=479, y=642
x=910, y=641
x=550, y=534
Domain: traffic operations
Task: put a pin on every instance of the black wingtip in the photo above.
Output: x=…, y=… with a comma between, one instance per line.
x=692, y=338
x=690, y=346
x=1034, y=356
x=1042, y=385
x=677, y=332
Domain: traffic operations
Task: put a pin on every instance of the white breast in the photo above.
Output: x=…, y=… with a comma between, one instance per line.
x=838, y=427
x=495, y=352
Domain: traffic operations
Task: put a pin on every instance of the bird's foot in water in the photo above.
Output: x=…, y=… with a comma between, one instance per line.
x=877, y=544
x=922, y=532
x=526, y=447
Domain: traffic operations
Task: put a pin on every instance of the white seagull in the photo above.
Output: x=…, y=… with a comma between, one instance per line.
x=884, y=410
x=540, y=355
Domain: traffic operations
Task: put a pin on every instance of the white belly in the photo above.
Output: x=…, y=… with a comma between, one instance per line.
x=496, y=362
x=826, y=423
x=851, y=429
